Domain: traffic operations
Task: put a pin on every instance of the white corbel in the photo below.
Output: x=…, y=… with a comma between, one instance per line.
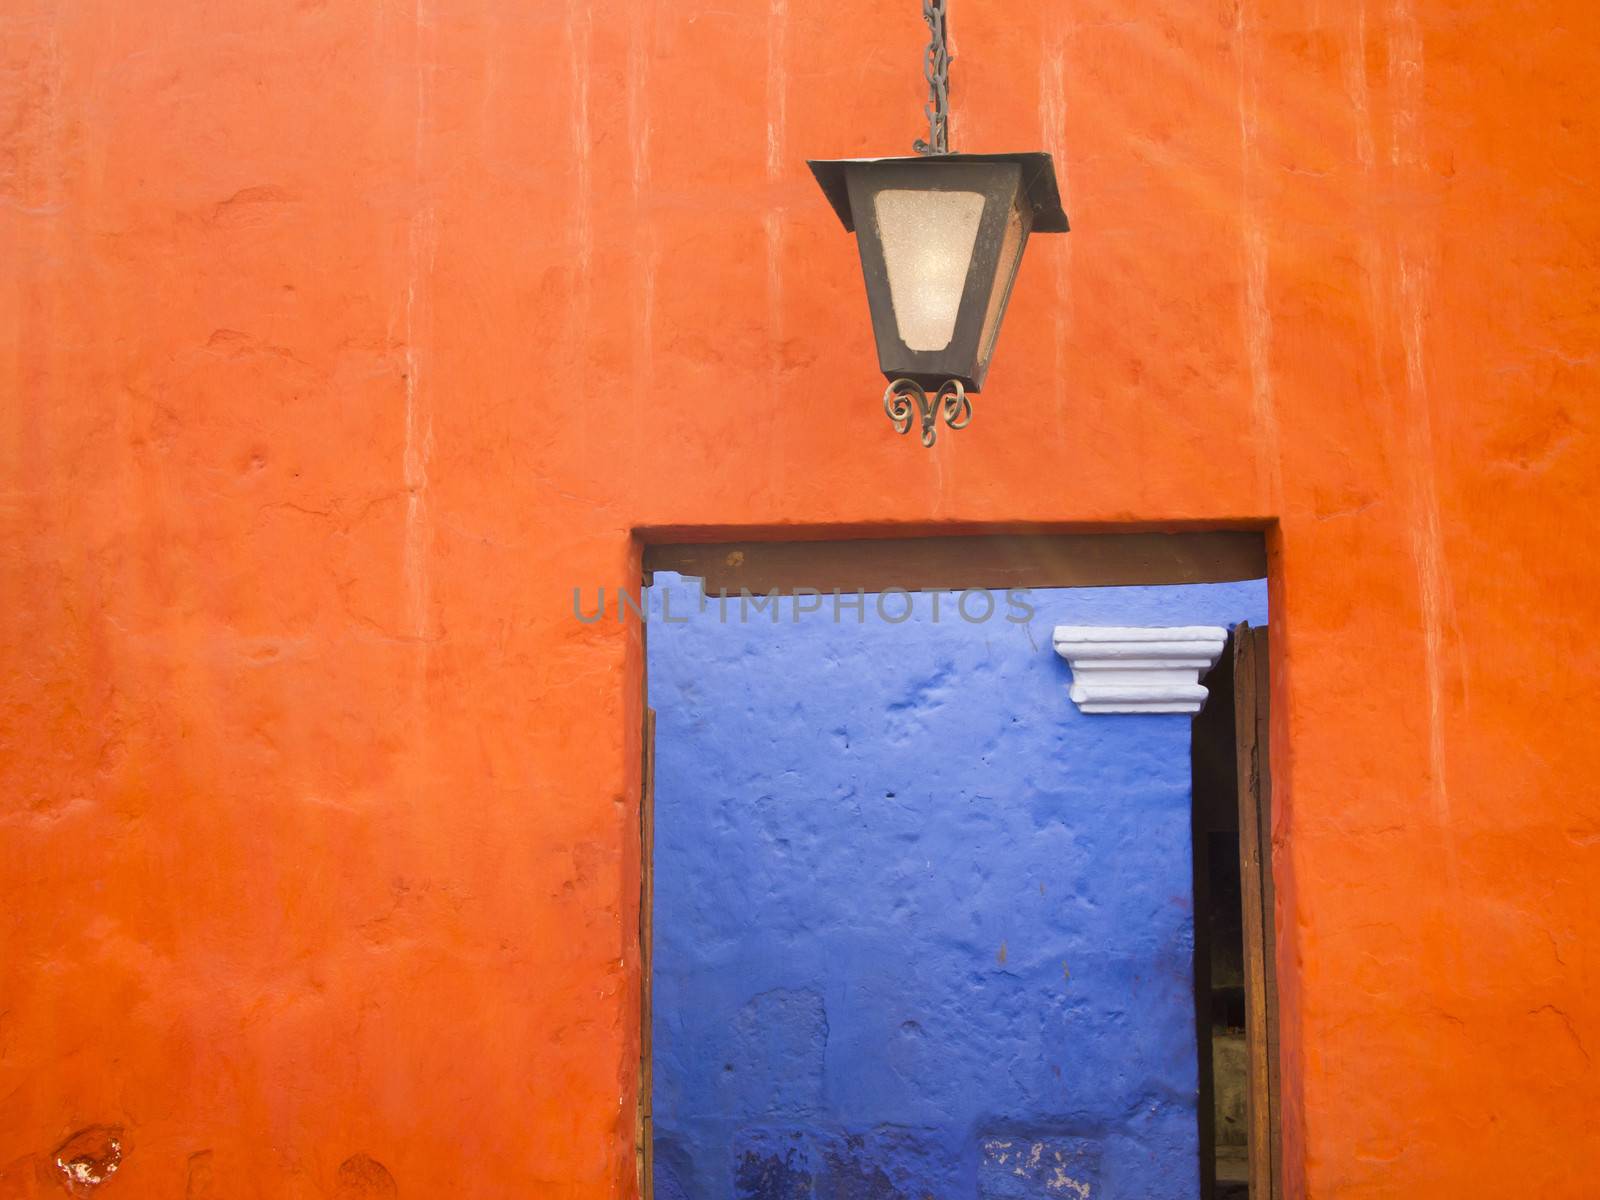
x=1148, y=669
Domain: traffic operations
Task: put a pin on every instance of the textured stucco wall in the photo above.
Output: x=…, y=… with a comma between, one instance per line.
x=340, y=341
x=922, y=928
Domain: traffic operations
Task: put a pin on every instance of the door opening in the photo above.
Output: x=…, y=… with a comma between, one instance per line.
x=911, y=923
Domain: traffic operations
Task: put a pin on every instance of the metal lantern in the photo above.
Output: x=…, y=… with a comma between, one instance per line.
x=941, y=236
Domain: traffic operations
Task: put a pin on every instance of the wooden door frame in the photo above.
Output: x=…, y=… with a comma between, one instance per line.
x=644, y=1122
x=973, y=560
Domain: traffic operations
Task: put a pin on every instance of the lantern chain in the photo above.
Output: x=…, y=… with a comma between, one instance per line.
x=936, y=68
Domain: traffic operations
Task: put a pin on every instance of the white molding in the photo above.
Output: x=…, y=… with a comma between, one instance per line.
x=1149, y=669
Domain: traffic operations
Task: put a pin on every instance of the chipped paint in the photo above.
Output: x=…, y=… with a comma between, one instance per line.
x=88, y=1159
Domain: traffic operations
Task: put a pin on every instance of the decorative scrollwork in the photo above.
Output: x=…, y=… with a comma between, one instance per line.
x=954, y=404
x=897, y=403
x=950, y=402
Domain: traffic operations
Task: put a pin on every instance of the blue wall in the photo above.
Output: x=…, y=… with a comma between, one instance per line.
x=922, y=929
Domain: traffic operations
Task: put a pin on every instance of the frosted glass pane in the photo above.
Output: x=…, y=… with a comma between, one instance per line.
x=1010, y=256
x=928, y=238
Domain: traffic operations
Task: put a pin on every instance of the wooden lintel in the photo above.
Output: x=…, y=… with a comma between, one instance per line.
x=1005, y=561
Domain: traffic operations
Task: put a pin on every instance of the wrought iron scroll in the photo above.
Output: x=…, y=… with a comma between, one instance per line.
x=905, y=400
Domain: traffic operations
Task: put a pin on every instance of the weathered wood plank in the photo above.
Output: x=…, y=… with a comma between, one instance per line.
x=1269, y=899
x=1249, y=701
x=1007, y=561
x=645, y=1132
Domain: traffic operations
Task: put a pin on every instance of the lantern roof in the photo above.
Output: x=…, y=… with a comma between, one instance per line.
x=1038, y=182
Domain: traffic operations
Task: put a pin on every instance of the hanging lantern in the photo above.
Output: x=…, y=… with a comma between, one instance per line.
x=941, y=236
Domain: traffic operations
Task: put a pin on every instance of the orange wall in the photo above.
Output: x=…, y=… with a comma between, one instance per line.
x=342, y=340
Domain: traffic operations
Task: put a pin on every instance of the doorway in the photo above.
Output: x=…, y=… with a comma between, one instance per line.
x=918, y=927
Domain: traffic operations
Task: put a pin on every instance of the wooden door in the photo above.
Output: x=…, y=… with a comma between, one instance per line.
x=1251, y=698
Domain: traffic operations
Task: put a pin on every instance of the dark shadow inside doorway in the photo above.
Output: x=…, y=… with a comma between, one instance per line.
x=1235, y=985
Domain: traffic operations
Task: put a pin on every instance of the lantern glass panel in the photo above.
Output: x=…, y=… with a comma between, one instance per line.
x=1011, y=244
x=928, y=240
